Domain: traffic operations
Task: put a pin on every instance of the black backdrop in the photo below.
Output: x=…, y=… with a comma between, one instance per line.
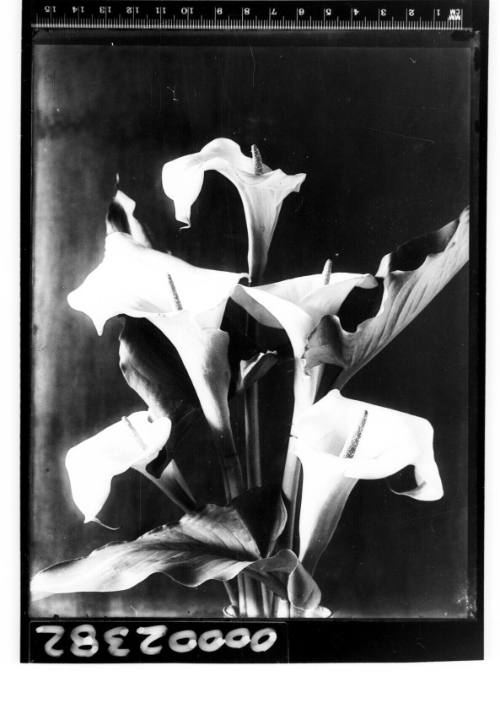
x=383, y=135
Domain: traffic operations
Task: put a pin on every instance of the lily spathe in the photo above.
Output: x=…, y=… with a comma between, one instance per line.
x=340, y=441
x=185, y=302
x=262, y=191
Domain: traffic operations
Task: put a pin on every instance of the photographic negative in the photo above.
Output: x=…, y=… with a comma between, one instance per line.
x=254, y=393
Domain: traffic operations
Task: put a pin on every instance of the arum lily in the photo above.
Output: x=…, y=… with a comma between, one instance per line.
x=297, y=306
x=411, y=277
x=204, y=353
x=152, y=367
x=187, y=304
x=340, y=441
x=262, y=192
x=261, y=189
x=134, y=441
x=134, y=280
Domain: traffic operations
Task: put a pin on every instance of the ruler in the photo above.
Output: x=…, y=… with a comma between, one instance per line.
x=256, y=15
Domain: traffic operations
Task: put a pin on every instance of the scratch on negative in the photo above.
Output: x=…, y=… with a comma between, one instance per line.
x=253, y=60
x=408, y=137
x=174, y=97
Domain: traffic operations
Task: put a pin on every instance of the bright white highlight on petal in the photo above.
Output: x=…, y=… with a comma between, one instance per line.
x=387, y=441
x=92, y=464
x=390, y=440
x=203, y=350
x=325, y=491
x=297, y=305
x=133, y=280
x=141, y=282
x=262, y=194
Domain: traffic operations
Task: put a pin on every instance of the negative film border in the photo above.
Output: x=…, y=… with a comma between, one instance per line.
x=313, y=640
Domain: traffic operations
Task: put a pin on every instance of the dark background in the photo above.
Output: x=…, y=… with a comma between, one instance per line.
x=384, y=137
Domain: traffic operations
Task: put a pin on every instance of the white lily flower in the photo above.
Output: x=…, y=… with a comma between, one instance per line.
x=203, y=350
x=135, y=280
x=297, y=306
x=185, y=302
x=261, y=189
x=134, y=441
x=340, y=441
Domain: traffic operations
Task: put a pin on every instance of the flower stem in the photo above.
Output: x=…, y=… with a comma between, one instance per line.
x=233, y=599
x=252, y=429
x=305, y=391
x=266, y=600
x=242, y=605
x=251, y=597
x=232, y=476
x=291, y=480
x=252, y=432
x=253, y=593
x=281, y=607
x=172, y=483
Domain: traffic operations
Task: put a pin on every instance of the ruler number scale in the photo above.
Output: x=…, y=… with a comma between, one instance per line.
x=231, y=15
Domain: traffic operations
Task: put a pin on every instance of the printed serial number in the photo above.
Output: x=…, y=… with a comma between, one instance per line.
x=85, y=642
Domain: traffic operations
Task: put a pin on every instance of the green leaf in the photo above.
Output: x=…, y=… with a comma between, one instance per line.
x=248, y=361
x=274, y=571
x=287, y=577
x=322, y=344
x=412, y=276
x=121, y=218
x=116, y=218
x=152, y=367
x=302, y=590
x=214, y=544
x=264, y=513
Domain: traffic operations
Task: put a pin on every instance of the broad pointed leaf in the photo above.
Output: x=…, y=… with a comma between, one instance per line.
x=412, y=276
x=264, y=513
x=120, y=218
x=322, y=344
x=152, y=367
x=214, y=544
x=287, y=578
x=303, y=592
